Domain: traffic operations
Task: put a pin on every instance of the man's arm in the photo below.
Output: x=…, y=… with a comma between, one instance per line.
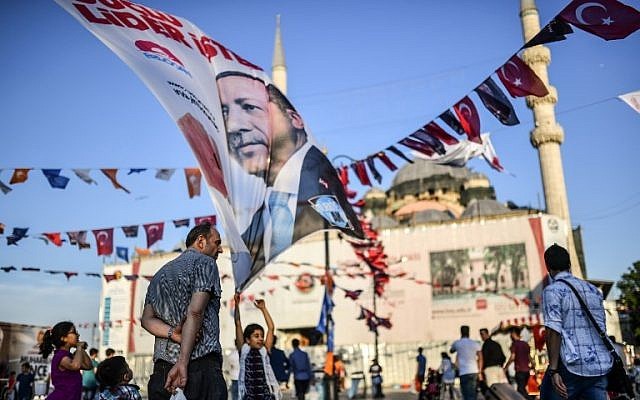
x=236, y=320
x=553, y=340
x=177, y=376
x=480, y=364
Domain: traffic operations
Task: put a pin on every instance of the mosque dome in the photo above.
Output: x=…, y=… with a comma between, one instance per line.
x=423, y=169
x=484, y=207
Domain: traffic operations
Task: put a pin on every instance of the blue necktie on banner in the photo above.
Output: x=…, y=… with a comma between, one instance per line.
x=281, y=222
x=122, y=253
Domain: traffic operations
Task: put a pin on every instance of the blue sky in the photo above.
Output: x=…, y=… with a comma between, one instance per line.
x=363, y=75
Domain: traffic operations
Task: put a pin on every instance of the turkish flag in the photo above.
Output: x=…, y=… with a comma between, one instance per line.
x=154, y=232
x=436, y=131
x=386, y=161
x=608, y=19
x=452, y=121
x=520, y=80
x=469, y=118
x=194, y=177
x=361, y=172
x=207, y=218
x=54, y=238
x=417, y=146
x=104, y=240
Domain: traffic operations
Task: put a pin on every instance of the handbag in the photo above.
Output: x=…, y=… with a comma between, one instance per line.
x=617, y=379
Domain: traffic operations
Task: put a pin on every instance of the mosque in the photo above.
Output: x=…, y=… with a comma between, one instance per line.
x=457, y=255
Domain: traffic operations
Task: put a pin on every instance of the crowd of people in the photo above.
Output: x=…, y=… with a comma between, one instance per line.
x=181, y=310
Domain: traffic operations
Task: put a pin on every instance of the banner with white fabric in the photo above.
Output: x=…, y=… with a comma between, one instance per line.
x=270, y=183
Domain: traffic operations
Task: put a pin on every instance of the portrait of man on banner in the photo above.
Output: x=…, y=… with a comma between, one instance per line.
x=266, y=136
x=268, y=180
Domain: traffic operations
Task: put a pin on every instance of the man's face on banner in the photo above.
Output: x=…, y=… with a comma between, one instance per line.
x=246, y=115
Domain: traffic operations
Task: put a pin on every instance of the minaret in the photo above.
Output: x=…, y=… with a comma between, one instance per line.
x=547, y=136
x=278, y=67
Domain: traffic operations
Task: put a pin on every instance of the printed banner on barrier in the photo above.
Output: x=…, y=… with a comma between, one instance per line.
x=270, y=183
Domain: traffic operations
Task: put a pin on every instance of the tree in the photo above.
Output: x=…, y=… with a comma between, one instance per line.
x=629, y=285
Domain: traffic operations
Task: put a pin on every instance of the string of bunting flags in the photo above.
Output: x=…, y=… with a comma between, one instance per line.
x=104, y=237
x=608, y=19
x=193, y=177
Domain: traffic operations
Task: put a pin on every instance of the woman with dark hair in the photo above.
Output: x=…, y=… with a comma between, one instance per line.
x=65, y=366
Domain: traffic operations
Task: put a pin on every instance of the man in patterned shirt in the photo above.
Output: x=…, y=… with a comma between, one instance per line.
x=578, y=358
x=182, y=302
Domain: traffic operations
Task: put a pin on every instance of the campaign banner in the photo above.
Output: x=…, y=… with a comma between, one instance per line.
x=270, y=183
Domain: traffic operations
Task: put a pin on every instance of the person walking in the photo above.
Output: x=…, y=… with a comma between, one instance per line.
x=469, y=361
x=25, y=380
x=280, y=364
x=300, y=366
x=376, y=379
x=493, y=359
x=448, y=374
x=182, y=302
x=421, y=370
x=521, y=358
x=578, y=358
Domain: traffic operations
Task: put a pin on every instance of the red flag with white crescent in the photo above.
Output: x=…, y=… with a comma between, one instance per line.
x=469, y=118
x=207, y=218
x=154, y=232
x=608, y=19
x=104, y=241
x=520, y=80
x=193, y=177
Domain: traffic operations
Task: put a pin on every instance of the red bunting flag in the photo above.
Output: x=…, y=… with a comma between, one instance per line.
x=436, y=131
x=361, y=172
x=520, y=80
x=417, y=146
x=154, y=232
x=111, y=174
x=469, y=118
x=104, y=240
x=19, y=175
x=193, y=177
x=207, y=218
x=386, y=161
x=608, y=19
x=54, y=238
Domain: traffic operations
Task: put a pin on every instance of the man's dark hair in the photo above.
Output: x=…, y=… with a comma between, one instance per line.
x=464, y=330
x=485, y=330
x=516, y=329
x=557, y=258
x=109, y=352
x=93, y=351
x=277, y=98
x=203, y=229
x=420, y=350
x=295, y=343
x=238, y=73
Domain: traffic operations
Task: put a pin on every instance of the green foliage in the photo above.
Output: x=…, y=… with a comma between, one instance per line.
x=629, y=285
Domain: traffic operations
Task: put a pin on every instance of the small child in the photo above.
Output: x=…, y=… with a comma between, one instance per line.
x=25, y=382
x=65, y=366
x=114, y=376
x=257, y=380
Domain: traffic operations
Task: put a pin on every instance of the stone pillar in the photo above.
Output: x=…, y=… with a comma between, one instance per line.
x=547, y=136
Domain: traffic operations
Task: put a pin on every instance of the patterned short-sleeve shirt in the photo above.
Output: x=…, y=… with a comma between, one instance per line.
x=169, y=294
x=582, y=350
